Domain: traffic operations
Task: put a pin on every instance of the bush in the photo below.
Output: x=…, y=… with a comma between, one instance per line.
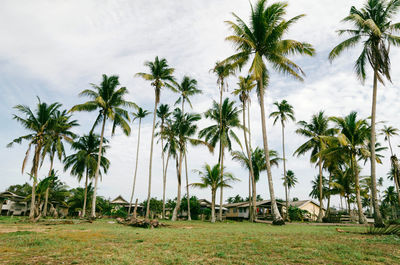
x=296, y=214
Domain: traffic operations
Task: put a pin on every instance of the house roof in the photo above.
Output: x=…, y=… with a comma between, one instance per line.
x=301, y=203
x=246, y=204
x=119, y=200
x=11, y=196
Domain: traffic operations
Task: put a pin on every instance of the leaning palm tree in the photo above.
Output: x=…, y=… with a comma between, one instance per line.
x=39, y=122
x=187, y=88
x=389, y=131
x=109, y=100
x=211, y=178
x=262, y=44
x=54, y=146
x=139, y=114
x=160, y=74
x=373, y=27
x=163, y=114
x=318, y=133
x=284, y=113
x=246, y=84
x=222, y=131
x=84, y=161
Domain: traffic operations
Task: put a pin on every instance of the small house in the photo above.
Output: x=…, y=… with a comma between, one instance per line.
x=241, y=210
x=309, y=206
x=13, y=204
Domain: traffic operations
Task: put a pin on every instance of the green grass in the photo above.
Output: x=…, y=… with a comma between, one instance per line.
x=191, y=243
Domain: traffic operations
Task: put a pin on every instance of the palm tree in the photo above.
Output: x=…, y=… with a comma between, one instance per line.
x=223, y=70
x=318, y=132
x=211, y=178
x=352, y=137
x=284, y=113
x=184, y=128
x=163, y=114
x=186, y=89
x=390, y=131
x=246, y=84
x=315, y=188
x=160, y=74
x=222, y=131
x=39, y=123
x=139, y=114
x=109, y=100
x=84, y=161
x=289, y=180
x=262, y=42
x=54, y=144
x=389, y=197
x=373, y=27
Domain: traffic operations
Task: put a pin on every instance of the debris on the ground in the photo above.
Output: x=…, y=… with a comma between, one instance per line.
x=144, y=223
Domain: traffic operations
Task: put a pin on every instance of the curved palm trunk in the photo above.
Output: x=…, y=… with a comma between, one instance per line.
x=277, y=218
x=321, y=195
x=213, y=193
x=361, y=217
x=151, y=159
x=377, y=213
x=85, y=195
x=96, y=175
x=34, y=175
x=136, y=166
x=286, y=216
x=187, y=189
x=46, y=198
x=179, y=175
x=164, y=184
x=253, y=198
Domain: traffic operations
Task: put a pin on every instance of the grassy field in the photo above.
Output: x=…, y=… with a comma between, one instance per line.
x=191, y=243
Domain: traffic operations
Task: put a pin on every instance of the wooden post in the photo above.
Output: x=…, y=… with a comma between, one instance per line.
x=134, y=211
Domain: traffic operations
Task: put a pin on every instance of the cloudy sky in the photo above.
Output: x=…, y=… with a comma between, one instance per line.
x=54, y=49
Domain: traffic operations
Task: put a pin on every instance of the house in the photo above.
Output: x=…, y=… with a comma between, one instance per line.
x=121, y=202
x=13, y=204
x=241, y=210
x=309, y=206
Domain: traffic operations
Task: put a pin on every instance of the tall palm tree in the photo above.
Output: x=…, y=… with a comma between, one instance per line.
x=159, y=74
x=352, y=137
x=84, y=161
x=187, y=88
x=54, y=144
x=222, y=70
x=373, y=27
x=290, y=181
x=184, y=128
x=39, y=122
x=139, y=114
x=262, y=43
x=163, y=114
x=284, y=113
x=389, y=131
x=109, y=101
x=317, y=132
x=389, y=197
x=222, y=131
x=246, y=84
x=211, y=178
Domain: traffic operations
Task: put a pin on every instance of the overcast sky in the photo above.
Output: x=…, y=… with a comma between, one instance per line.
x=54, y=49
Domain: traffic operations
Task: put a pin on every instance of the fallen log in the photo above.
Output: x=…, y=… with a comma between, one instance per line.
x=144, y=223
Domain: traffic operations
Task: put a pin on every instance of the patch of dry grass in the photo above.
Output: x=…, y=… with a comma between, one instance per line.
x=193, y=243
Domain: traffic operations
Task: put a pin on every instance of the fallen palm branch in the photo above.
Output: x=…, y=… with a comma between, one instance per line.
x=136, y=222
x=390, y=229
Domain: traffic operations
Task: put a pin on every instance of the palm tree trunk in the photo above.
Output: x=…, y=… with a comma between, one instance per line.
x=164, y=184
x=371, y=211
x=221, y=150
x=178, y=198
x=321, y=195
x=277, y=218
x=96, y=175
x=85, y=195
x=136, y=166
x=377, y=213
x=187, y=188
x=213, y=193
x=286, y=216
x=329, y=196
x=254, y=184
x=221, y=200
x=151, y=159
x=361, y=217
x=253, y=203
x=34, y=173
x=163, y=167
x=46, y=198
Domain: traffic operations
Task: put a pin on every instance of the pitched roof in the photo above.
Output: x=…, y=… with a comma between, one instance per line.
x=11, y=196
x=299, y=204
x=246, y=204
x=119, y=200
